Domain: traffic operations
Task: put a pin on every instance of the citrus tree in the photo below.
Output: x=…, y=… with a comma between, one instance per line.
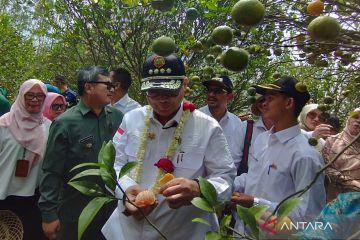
x=120, y=33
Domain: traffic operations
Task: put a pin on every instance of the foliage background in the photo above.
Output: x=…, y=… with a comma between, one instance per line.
x=42, y=38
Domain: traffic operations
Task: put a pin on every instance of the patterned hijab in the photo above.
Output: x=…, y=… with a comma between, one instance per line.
x=26, y=128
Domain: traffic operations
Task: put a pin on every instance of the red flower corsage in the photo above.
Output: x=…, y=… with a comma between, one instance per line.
x=189, y=106
x=165, y=164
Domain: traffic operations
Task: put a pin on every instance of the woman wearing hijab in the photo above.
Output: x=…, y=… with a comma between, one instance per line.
x=344, y=173
x=313, y=124
x=23, y=135
x=54, y=105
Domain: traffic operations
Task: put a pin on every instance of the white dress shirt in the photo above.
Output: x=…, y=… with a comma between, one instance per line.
x=234, y=132
x=10, y=152
x=203, y=152
x=126, y=104
x=284, y=163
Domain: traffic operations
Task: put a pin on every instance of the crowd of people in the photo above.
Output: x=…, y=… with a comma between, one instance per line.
x=50, y=129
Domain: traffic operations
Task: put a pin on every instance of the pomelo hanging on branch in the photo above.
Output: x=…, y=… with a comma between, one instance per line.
x=162, y=5
x=315, y=8
x=164, y=46
x=324, y=28
x=235, y=59
x=222, y=35
x=248, y=12
x=192, y=14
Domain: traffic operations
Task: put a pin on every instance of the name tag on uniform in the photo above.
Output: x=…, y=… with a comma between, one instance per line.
x=22, y=168
x=87, y=141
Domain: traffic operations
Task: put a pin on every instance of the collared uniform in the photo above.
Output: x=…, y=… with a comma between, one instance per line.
x=126, y=104
x=203, y=152
x=75, y=137
x=233, y=131
x=284, y=163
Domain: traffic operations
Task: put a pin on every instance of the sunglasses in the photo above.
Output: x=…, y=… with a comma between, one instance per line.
x=58, y=107
x=109, y=85
x=313, y=115
x=167, y=93
x=30, y=96
x=216, y=90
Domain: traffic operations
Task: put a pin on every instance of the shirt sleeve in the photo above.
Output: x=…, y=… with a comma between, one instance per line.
x=120, y=141
x=219, y=164
x=53, y=167
x=303, y=172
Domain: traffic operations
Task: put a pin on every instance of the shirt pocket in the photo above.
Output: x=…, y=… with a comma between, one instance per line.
x=189, y=164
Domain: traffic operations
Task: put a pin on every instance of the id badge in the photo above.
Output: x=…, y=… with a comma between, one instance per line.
x=22, y=168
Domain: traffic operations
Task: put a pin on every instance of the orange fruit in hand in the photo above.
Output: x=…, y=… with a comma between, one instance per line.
x=315, y=8
x=145, y=198
x=166, y=178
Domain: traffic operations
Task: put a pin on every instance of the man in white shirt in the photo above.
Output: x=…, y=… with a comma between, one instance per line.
x=218, y=96
x=284, y=161
x=146, y=135
x=121, y=78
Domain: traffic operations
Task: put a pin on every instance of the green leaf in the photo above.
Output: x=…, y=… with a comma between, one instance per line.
x=258, y=210
x=208, y=191
x=90, y=211
x=87, y=188
x=85, y=165
x=212, y=236
x=108, y=175
x=248, y=218
x=202, y=204
x=131, y=3
x=127, y=168
x=87, y=172
x=286, y=207
x=201, y=220
x=225, y=222
x=108, y=157
x=101, y=153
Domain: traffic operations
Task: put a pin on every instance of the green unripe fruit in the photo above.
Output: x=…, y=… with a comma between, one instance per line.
x=313, y=141
x=222, y=35
x=164, y=46
x=328, y=100
x=251, y=91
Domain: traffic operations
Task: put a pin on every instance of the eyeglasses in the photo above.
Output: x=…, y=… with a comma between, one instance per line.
x=313, y=115
x=58, y=107
x=216, y=90
x=153, y=93
x=109, y=85
x=30, y=96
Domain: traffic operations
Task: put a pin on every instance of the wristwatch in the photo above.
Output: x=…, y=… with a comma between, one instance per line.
x=256, y=201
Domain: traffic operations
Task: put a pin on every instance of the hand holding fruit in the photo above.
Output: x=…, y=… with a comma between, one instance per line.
x=180, y=191
x=145, y=200
x=322, y=131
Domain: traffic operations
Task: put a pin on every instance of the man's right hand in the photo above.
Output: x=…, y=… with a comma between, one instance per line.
x=51, y=229
x=130, y=209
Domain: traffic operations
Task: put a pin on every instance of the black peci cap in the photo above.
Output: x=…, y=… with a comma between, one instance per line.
x=162, y=73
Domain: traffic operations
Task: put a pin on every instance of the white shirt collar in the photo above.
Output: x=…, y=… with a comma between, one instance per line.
x=123, y=101
x=260, y=124
x=176, y=118
x=207, y=111
x=285, y=135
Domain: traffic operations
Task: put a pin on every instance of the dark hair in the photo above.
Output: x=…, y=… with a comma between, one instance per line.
x=334, y=121
x=60, y=78
x=124, y=77
x=89, y=74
